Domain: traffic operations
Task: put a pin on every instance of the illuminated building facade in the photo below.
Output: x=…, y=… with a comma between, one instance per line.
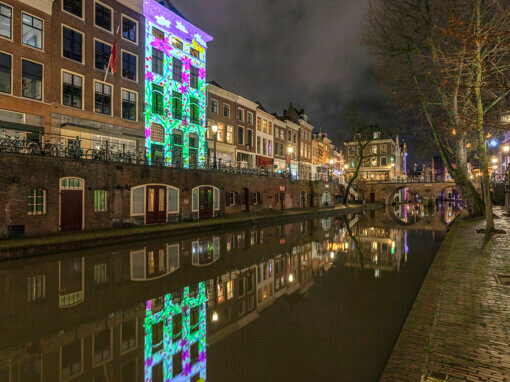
x=175, y=337
x=175, y=87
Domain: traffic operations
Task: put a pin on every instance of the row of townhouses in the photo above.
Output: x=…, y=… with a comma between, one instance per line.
x=130, y=76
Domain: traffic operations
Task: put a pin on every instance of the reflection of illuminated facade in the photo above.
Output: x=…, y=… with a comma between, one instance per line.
x=175, y=337
x=205, y=252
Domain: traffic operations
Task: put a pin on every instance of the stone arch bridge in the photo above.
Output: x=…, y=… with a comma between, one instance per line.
x=384, y=192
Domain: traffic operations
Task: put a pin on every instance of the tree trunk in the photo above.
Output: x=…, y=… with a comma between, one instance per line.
x=470, y=196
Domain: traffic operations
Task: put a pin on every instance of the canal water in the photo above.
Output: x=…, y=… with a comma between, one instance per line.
x=315, y=300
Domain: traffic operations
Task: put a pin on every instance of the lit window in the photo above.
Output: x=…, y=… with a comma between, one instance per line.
x=100, y=200
x=195, y=53
x=194, y=113
x=31, y=82
x=72, y=90
x=176, y=43
x=5, y=21
x=103, y=17
x=158, y=34
x=32, y=32
x=157, y=99
x=230, y=134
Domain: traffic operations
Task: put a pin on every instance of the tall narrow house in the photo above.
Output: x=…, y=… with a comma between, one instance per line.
x=175, y=87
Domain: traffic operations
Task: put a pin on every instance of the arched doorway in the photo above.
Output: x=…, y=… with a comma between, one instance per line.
x=205, y=201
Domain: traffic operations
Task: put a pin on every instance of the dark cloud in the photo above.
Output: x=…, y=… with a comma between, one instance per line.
x=275, y=51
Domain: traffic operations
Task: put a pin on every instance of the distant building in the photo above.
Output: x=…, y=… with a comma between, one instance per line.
x=264, y=138
x=384, y=158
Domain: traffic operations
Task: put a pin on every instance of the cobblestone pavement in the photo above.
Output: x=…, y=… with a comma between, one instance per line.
x=459, y=326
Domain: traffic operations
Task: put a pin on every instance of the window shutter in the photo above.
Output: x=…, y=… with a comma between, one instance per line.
x=227, y=198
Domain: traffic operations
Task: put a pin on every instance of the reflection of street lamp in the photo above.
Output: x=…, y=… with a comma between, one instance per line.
x=214, y=129
x=215, y=317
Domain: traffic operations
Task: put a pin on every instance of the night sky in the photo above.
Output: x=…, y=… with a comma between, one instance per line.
x=304, y=51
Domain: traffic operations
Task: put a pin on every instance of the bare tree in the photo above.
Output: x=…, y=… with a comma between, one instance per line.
x=449, y=57
x=362, y=136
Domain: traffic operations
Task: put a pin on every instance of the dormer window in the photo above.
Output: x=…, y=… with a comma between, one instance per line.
x=377, y=135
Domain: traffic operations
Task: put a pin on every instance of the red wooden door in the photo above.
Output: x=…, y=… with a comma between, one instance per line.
x=156, y=205
x=71, y=210
x=206, y=202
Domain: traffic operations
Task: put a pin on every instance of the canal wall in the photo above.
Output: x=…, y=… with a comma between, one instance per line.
x=44, y=195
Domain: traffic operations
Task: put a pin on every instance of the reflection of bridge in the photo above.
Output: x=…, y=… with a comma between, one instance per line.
x=385, y=191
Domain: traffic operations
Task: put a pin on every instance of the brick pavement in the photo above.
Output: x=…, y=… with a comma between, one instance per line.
x=459, y=325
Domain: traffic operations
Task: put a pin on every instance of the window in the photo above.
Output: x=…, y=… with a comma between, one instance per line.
x=32, y=31
x=214, y=106
x=240, y=135
x=129, y=29
x=194, y=114
x=226, y=110
x=384, y=161
x=128, y=337
x=31, y=82
x=176, y=43
x=36, y=288
x=157, y=135
x=373, y=149
x=100, y=274
x=103, y=17
x=249, y=137
x=290, y=135
x=157, y=61
x=102, y=347
x=5, y=73
x=269, y=147
x=102, y=53
x=258, y=145
x=74, y=7
x=259, y=124
x=157, y=99
x=37, y=201
x=173, y=200
x=137, y=201
x=240, y=114
x=193, y=77
x=195, y=53
x=373, y=162
x=103, y=98
x=177, y=105
x=176, y=69
x=384, y=149
x=100, y=200
x=128, y=105
x=5, y=21
x=158, y=34
x=71, y=363
x=264, y=146
x=230, y=134
x=72, y=90
x=72, y=43
x=129, y=66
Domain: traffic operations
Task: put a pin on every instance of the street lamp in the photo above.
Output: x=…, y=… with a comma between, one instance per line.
x=214, y=129
x=506, y=148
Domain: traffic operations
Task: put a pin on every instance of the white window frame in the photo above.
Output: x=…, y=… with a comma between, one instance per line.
x=229, y=111
x=168, y=246
x=112, y=20
x=248, y=119
x=62, y=43
x=12, y=65
x=111, y=97
x=21, y=81
x=240, y=109
x=72, y=14
x=81, y=363
x=94, y=364
x=41, y=49
x=137, y=29
x=62, y=89
x=197, y=189
x=44, y=202
x=82, y=188
x=217, y=105
x=103, y=42
x=122, y=89
x=168, y=211
x=12, y=18
x=105, y=201
x=144, y=198
x=122, y=51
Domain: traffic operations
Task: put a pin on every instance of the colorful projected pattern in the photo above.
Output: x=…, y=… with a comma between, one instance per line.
x=172, y=26
x=189, y=337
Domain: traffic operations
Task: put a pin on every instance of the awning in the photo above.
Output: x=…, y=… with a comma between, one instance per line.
x=21, y=127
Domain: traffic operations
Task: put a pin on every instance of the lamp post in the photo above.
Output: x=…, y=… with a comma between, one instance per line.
x=215, y=132
x=290, y=149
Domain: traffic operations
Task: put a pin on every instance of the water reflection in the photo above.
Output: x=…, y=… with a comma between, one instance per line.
x=155, y=311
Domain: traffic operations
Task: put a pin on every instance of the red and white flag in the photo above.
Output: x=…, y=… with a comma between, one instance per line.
x=112, y=62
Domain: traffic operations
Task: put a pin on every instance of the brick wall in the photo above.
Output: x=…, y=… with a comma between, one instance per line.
x=118, y=179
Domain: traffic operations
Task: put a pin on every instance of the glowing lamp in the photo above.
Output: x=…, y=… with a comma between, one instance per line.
x=345, y=166
x=332, y=255
x=290, y=149
x=291, y=278
x=506, y=148
x=494, y=160
x=215, y=317
x=214, y=128
x=493, y=143
x=393, y=165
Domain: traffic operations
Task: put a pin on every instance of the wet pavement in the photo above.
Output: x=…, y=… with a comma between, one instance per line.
x=316, y=300
x=459, y=326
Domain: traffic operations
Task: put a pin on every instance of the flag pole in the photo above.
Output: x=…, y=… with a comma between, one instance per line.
x=114, y=49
